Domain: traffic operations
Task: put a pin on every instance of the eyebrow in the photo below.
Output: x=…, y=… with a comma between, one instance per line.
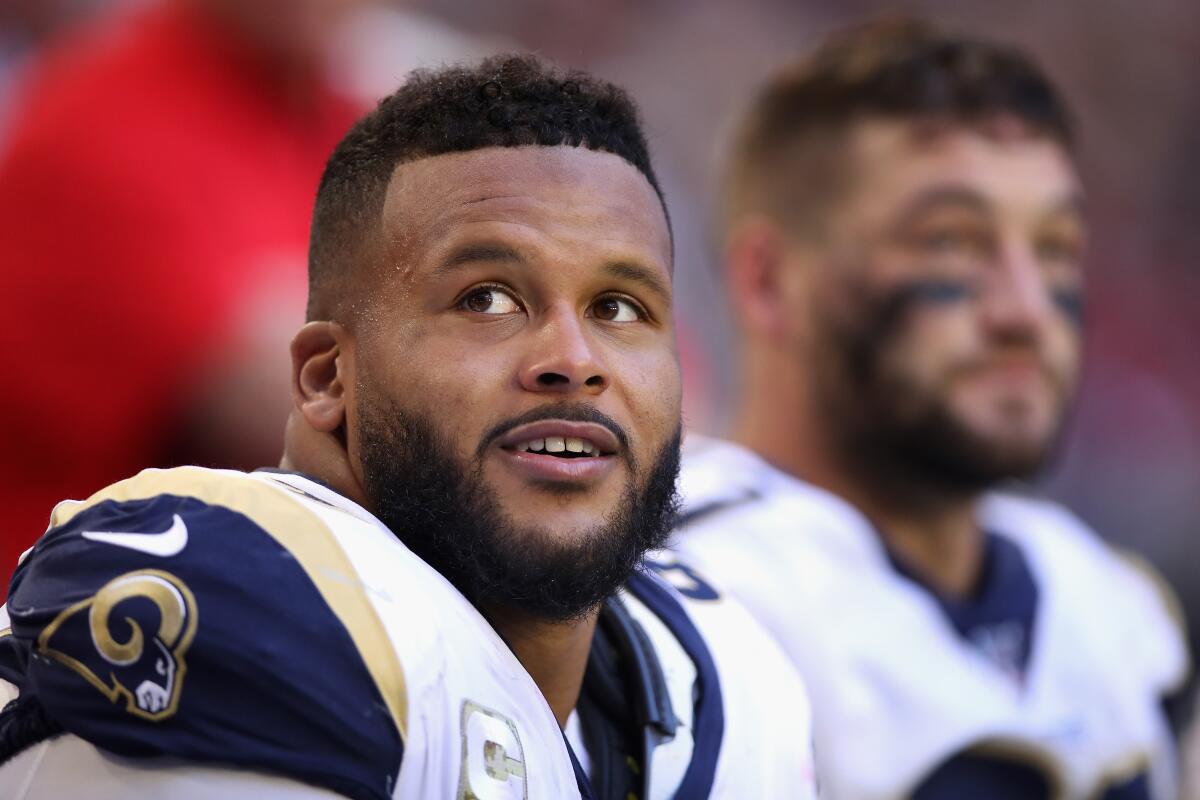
x=640, y=275
x=944, y=196
x=476, y=253
x=499, y=253
x=964, y=197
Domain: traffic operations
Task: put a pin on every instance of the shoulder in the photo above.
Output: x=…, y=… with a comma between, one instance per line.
x=767, y=537
x=1117, y=590
x=1061, y=545
x=212, y=616
x=714, y=471
x=724, y=485
x=750, y=721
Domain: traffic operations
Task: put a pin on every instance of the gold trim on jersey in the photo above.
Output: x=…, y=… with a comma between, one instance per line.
x=5, y=632
x=302, y=533
x=1020, y=752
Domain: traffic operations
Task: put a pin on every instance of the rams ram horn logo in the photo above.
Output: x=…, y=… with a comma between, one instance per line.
x=140, y=648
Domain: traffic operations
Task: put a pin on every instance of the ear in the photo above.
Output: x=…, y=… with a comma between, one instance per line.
x=755, y=271
x=320, y=374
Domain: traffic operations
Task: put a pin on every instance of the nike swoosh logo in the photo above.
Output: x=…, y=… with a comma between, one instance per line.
x=168, y=543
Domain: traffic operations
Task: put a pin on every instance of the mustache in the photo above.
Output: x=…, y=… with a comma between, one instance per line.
x=572, y=412
x=1000, y=356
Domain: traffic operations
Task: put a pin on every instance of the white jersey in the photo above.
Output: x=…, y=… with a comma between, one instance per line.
x=194, y=620
x=909, y=703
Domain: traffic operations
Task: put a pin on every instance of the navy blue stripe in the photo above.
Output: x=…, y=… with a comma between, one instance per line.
x=581, y=778
x=708, y=729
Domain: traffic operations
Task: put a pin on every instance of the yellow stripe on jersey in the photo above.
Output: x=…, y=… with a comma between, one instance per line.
x=1044, y=762
x=299, y=530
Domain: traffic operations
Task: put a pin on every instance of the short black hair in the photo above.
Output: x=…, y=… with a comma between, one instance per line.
x=892, y=67
x=504, y=101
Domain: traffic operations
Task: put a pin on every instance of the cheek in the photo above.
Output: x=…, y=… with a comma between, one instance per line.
x=1064, y=349
x=449, y=382
x=651, y=383
x=931, y=346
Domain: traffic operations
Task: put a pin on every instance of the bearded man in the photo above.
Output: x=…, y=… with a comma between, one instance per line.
x=483, y=444
x=904, y=249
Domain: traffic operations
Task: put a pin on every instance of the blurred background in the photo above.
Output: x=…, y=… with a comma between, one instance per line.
x=158, y=162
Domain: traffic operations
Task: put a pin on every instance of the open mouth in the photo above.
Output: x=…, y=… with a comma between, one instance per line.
x=562, y=450
x=562, y=447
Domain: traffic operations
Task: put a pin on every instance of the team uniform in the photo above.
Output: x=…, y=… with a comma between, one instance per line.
x=198, y=633
x=1048, y=683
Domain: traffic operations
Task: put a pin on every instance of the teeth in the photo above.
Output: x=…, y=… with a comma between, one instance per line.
x=560, y=444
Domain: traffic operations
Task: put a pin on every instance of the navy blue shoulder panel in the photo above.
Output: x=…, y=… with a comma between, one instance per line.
x=709, y=721
x=1134, y=788
x=172, y=627
x=990, y=776
x=984, y=777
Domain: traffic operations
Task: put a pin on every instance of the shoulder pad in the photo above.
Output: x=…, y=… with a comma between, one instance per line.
x=211, y=617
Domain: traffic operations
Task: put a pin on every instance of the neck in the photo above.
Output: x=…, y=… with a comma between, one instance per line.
x=322, y=456
x=553, y=653
x=774, y=412
x=939, y=542
x=932, y=532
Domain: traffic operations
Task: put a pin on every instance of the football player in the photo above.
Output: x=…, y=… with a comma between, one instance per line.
x=441, y=577
x=905, y=243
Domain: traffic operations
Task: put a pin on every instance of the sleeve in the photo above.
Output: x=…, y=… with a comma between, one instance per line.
x=207, y=617
x=1160, y=627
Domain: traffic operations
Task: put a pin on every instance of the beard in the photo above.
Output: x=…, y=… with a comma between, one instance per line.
x=445, y=512
x=902, y=433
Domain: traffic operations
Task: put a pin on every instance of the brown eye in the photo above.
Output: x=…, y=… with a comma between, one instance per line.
x=614, y=309
x=489, y=300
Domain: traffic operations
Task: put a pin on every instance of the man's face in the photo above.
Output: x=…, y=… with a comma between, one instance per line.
x=518, y=362
x=948, y=309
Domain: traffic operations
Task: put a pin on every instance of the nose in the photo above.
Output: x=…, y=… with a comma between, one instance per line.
x=562, y=357
x=1018, y=299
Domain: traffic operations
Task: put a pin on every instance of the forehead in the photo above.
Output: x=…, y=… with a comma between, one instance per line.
x=1010, y=169
x=541, y=197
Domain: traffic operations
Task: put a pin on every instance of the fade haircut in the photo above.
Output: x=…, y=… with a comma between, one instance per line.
x=504, y=101
x=787, y=157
